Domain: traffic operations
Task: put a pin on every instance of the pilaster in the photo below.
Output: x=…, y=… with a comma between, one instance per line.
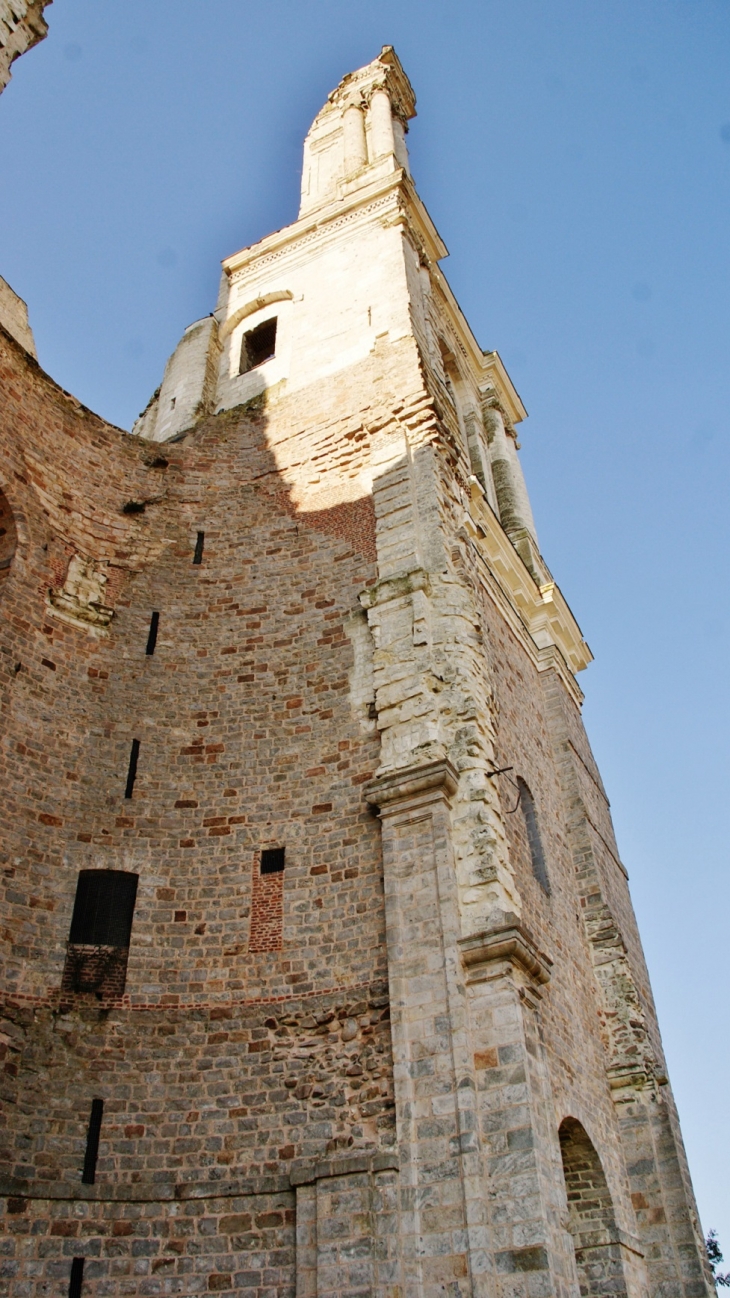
x=442, y=1204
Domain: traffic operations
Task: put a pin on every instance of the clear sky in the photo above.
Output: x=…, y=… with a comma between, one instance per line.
x=575, y=157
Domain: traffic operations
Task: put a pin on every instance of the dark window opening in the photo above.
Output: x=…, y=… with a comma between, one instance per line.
x=537, y=856
x=104, y=908
x=152, y=637
x=77, y=1277
x=132, y=772
x=258, y=345
x=88, y=1175
x=198, y=556
x=272, y=860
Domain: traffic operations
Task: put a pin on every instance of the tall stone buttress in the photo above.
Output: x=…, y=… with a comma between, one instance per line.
x=321, y=975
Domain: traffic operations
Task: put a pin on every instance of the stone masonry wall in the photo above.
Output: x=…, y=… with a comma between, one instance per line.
x=228, y=1058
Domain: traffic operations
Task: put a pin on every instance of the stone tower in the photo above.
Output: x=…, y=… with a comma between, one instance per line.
x=320, y=971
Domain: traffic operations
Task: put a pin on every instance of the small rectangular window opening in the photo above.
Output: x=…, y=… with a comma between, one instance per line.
x=132, y=772
x=77, y=1277
x=258, y=345
x=272, y=860
x=198, y=556
x=152, y=637
x=103, y=908
x=88, y=1175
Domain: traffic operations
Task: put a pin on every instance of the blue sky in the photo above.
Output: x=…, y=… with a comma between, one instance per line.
x=576, y=159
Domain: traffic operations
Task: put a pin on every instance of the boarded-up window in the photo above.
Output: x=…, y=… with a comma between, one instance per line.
x=101, y=928
x=272, y=860
x=104, y=908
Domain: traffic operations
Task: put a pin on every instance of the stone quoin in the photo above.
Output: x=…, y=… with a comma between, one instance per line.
x=320, y=972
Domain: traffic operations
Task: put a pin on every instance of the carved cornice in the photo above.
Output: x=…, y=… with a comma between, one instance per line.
x=306, y=1172
x=387, y=792
x=497, y=389
x=384, y=73
x=510, y=942
x=634, y=1076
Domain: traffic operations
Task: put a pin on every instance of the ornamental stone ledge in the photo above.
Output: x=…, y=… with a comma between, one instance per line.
x=302, y=1172
x=307, y=1172
x=388, y=791
x=508, y=942
x=636, y=1075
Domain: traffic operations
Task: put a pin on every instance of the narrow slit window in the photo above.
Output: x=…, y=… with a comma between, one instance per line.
x=198, y=556
x=152, y=637
x=103, y=908
x=537, y=855
x=272, y=860
x=132, y=772
x=77, y=1277
x=88, y=1175
x=258, y=346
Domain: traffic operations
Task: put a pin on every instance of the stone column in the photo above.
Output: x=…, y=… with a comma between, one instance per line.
x=353, y=126
x=401, y=148
x=515, y=513
x=514, y=505
x=382, y=138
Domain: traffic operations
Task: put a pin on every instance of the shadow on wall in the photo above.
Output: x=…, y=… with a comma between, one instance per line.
x=70, y=478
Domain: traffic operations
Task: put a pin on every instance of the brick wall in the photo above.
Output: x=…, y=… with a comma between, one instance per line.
x=252, y=1035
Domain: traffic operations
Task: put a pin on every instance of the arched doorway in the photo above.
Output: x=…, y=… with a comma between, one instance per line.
x=8, y=537
x=591, y=1217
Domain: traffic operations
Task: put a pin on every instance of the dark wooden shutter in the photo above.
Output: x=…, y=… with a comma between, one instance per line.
x=104, y=908
x=272, y=860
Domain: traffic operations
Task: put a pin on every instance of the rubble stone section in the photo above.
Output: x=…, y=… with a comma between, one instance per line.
x=22, y=25
x=350, y=1076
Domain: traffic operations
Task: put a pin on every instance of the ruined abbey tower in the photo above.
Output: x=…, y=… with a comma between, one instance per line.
x=320, y=971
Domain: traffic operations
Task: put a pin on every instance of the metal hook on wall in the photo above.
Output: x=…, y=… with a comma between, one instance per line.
x=503, y=771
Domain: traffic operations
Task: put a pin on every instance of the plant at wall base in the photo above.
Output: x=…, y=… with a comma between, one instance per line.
x=714, y=1257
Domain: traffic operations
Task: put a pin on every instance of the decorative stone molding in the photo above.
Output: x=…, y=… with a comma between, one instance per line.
x=631, y=1077
x=411, y=783
x=256, y=304
x=305, y=1173
x=485, y=955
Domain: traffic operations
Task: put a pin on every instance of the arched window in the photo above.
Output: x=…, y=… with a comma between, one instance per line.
x=529, y=815
x=591, y=1218
x=8, y=537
